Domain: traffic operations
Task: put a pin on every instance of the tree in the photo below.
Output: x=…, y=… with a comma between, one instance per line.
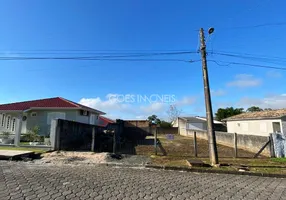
x=267, y=109
x=153, y=119
x=165, y=124
x=254, y=109
x=173, y=113
x=223, y=113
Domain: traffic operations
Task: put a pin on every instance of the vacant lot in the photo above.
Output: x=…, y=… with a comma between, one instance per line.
x=184, y=147
x=176, y=152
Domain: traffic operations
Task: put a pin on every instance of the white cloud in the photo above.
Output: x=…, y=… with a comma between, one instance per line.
x=185, y=101
x=118, y=109
x=153, y=108
x=274, y=102
x=244, y=80
x=273, y=74
x=218, y=92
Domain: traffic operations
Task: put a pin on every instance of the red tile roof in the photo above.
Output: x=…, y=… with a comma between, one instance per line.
x=56, y=102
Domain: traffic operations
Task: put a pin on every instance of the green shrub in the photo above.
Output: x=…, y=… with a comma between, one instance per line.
x=33, y=134
x=5, y=134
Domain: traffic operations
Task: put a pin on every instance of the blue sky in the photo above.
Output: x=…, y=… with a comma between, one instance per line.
x=39, y=28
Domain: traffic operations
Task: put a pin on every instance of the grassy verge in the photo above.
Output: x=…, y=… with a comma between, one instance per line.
x=36, y=150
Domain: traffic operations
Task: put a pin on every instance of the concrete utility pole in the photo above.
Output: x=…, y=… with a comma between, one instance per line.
x=211, y=133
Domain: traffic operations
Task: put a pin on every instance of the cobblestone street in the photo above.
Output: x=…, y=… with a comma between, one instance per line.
x=19, y=180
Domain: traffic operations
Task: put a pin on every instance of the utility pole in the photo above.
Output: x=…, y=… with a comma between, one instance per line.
x=211, y=133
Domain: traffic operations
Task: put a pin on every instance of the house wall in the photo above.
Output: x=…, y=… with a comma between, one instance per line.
x=4, y=128
x=252, y=127
x=41, y=119
x=182, y=126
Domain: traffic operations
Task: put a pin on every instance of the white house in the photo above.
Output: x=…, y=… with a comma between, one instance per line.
x=41, y=112
x=258, y=123
x=195, y=123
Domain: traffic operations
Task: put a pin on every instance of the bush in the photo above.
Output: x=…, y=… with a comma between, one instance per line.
x=5, y=134
x=33, y=134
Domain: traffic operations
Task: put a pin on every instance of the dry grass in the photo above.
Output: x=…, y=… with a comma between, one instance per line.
x=181, y=149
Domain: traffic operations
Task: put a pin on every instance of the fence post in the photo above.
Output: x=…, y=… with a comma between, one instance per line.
x=18, y=132
x=114, y=142
x=93, y=139
x=271, y=146
x=155, y=141
x=235, y=144
x=57, y=135
x=195, y=144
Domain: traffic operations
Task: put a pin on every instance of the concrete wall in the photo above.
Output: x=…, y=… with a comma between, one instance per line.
x=252, y=127
x=182, y=126
x=250, y=143
x=171, y=130
x=136, y=123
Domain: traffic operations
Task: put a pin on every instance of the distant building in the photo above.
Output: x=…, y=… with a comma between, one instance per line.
x=41, y=112
x=104, y=121
x=258, y=123
x=195, y=123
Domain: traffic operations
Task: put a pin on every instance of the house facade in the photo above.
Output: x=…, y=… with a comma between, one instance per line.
x=195, y=123
x=260, y=123
x=41, y=112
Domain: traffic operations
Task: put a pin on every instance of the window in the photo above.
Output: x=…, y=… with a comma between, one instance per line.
x=33, y=114
x=13, y=124
x=276, y=127
x=8, y=122
x=3, y=120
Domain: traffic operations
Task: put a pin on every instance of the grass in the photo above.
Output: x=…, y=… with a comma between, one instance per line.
x=179, y=150
x=36, y=150
x=279, y=160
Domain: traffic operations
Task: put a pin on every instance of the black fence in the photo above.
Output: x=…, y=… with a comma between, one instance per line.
x=73, y=136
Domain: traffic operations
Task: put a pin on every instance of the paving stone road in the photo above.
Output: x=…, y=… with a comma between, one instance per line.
x=19, y=180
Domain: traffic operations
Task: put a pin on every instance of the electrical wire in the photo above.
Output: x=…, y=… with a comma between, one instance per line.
x=245, y=64
x=256, y=26
x=95, y=57
x=256, y=58
x=248, y=55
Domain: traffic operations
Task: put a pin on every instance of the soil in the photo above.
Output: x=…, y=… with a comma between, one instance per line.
x=72, y=157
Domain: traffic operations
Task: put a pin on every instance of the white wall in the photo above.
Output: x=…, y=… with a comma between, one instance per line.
x=252, y=127
x=182, y=126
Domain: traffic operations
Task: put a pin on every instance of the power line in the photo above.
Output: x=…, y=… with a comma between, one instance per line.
x=256, y=26
x=95, y=57
x=271, y=60
x=247, y=55
x=246, y=64
x=126, y=59
x=98, y=51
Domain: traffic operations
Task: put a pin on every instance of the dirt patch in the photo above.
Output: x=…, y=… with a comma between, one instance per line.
x=72, y=157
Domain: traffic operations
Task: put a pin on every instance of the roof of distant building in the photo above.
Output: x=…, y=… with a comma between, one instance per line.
x=267, y=114
x=56, y=102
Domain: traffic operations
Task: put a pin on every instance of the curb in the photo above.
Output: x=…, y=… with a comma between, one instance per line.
x=185, y=169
